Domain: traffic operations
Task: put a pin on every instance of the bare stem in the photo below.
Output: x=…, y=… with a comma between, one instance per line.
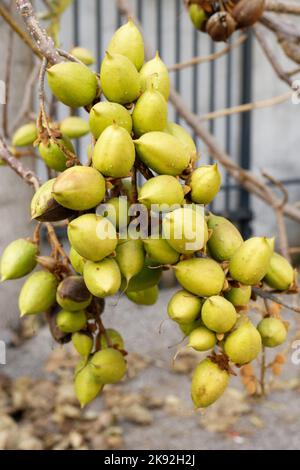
x=268, y=295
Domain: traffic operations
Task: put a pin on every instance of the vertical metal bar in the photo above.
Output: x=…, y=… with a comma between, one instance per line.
x=212, y=97
x=139, y=10
x=76, y=42
x=195, y=78
x=228, y=123
x=159, y=26
x=119, y=18
x=98, y=32
x=177, y=50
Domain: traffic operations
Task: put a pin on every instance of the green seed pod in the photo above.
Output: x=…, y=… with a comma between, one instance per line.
x=115, y=339
x=272, y=331
x=25, y=135
x=38, y=293
x=187, y=328
x=218, y=314
x=184, y=308
x=250, y=262
x=154, y=191
x=74, y=127
x=130, y=257
x=93, y=237
x=106, y=114
x=52, y=154
x=280, y=274
x=163, y=153
x=205, y=183
x=197, y=15
x=154, y=72
x=208, y=383
x=145, y=297
x=201, y=276
x=148, y=277
x=114, y=152
x=120, y=80
x=77, y=261
x=243, y=345
x=73, y=84
x=80, y=365
x=185, y=230
x=72, y=294
x=18, y=259
x=102, y=278
x=202, y=339
x=159, y=250
x=108, y=366
x=70, y=322
x=83, y=343
x=150, y=113
x=45, y=208
x=117, y=212
x=79, y=188
x=83, y=54
x=225, y=238
x=239, y=296
x=181, y=134
x=129, y=42
x=86, y=385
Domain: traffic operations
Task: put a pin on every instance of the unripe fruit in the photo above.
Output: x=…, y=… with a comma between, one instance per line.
x=108, y=366
x=243, y=345
x=114, y=152
x=225, y=238
x=77, y=261
x=117, y=212
x=150, y=113
x=102, y=278
x=163, y=153
x=201, y=276
x=106, y=114
x=148, y=277
x=83, y=343
x=184, y=137
x=205, y=183
x=129, y=42
x=159, y=250
x=202, y=339
x=162, y=189
x=197, y=15
x=250, y=262
x=130, y=257
x=45, y=208
x=38, y=293
x=25, y=135
x=114, y=337
x=83, y=54
x=239, y=296
x=79, y=188
x=218, y=314
x=272, y=331
x=280, y=274
x=155, y=72
x=144, y=297
x=70, y=322
x=18, y=259
x=120, y=80
x=187, y=328
x=52, y=154
x=72, y=294
x=86, y=385
x=184, y=308
x=74, y=127
x=73, y=84
x=93, y=237
x=208, y=383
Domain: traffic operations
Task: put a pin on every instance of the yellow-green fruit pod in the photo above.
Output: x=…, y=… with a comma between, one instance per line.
x=52, y=154
x=102, y=278
x=218, y=314
x=114, y=337
x=77, y=261
x=159, y=250
x=145, y=297
x=108, y=365
x=243, y=345
x=185, y=230
x=114, y=152
x=83, y=343
x=73, y=84
x=155, y=73
x=184, y=307
x=38, y=293
x=106, y=114
x=239, y=296
x=225, y=238
x=70, y=322
x=150, y=113
x=187, y=328
x=208, y=383
x=205, y=183
x=148, y=277
x=130, y=257
x=197, y=15
x=72, y=294
x=280, y=274
x=83, y=54
x=120, y=80
x=162, y=189
x=25, y=135
x=272, y=331
x=79, y=188
x=181, y=134
x=45, y=208
x=163, y=153
x=129, y=42
x=86, y=385
x=200, y=276
x=93, y=237
x=202, y=339
x=18, y=259
x=251, y=261
x=74, y=127
x=117, y=212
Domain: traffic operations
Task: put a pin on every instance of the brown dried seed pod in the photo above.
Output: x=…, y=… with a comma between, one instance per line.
x=247, y=13
x=220, y=26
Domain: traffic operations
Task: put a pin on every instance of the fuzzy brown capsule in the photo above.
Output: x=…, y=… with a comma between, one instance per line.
x=247, y=13
x=220, y=26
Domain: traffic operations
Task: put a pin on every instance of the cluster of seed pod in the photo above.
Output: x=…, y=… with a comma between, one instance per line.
x=214, y=265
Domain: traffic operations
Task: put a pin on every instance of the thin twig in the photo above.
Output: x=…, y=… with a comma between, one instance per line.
x=27, y=97
x=278, y=26
x=8, y=71
x=283, y=7
x=268, y=295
